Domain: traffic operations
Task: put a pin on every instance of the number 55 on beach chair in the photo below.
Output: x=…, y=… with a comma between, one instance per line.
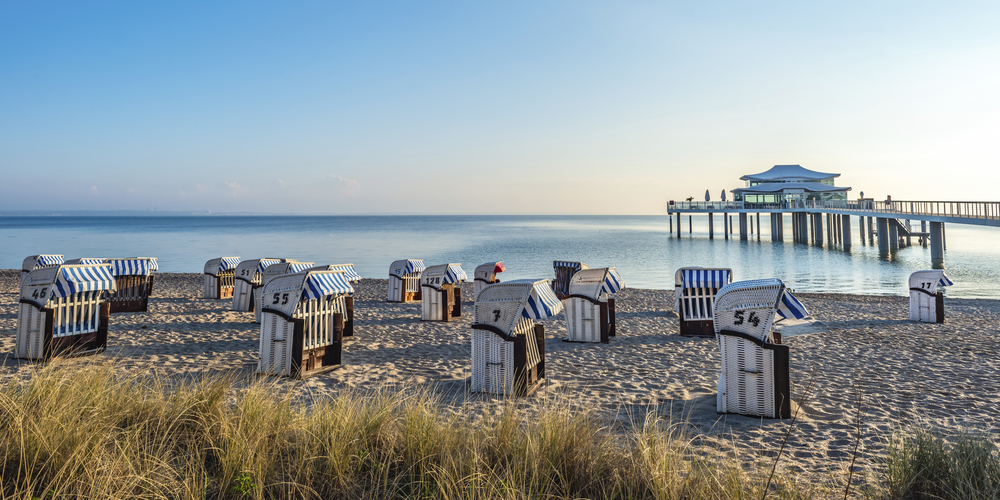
x=289, y=266
x=508, y=348
x=695, y=289
x=926, y=302
x=754, y=379
x=219, y=275
x=302, y=323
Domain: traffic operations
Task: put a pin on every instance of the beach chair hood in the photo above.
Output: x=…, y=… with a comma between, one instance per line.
x=927, y=281
x=694, y=277
x=221, y=265
x=502, y=305
x=570, y=264
x=132, y=266
x=444, y=274
x=771, y=294
x=248, y=269
x=401, y=268
x=283, y=293
x=38, y=261
x=592, y=283
x=487, y=271
x=86, y=261
x=47, y=283
x=348, y=269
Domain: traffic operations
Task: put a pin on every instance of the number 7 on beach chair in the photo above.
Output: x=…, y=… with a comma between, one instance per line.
x=695, y=289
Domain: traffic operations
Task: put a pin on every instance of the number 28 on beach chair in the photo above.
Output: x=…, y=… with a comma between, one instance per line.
x=754, y=380
x=486, y=274
x=404, y=280
x=37, y=262
x=926, y=302
x=289, y=266
x=441, y=299
x=694, y=298
x=508, y=348
x=352, y=277
x=564, y=272
x=219, y=275
x=247, y=280
x=61, y=311
x=134, y=283
x=301, y=331
x=590, y=310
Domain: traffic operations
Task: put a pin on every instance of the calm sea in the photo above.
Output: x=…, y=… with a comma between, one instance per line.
x=641, y=247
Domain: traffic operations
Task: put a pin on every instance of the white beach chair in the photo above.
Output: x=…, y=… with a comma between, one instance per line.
x=754, y=379
x=61, y=311
x=352, y=277
x=441, y=299
x=134, y=283
x=404, y=280
x=590, y=309
x=247, y=280
x=564, y=273
x=486, y=274
x=289, y=266
x=508, y=348
x=926, y=302
x=301, y=332
x=695, y=289
x=219, y=277
x=37, y=262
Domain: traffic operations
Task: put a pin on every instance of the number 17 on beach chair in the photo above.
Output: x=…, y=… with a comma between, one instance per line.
x=219, y=276
x=694, y=298
x=754, y=379
x=926, y=302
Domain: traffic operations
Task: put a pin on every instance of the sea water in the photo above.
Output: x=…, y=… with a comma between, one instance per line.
x=640, y=247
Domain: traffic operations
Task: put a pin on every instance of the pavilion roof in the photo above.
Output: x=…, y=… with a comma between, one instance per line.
x=788, y=173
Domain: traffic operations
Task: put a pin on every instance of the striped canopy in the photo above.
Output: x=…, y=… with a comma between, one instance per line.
x=263, y=263
x=542, y=302
x=74, y=279
x=613, y=282
x=348, y=270
x=228, y=263
x=298, y=267
x=563, y=263
x=48, y=260
x=414, y=266
x=945, y=280
x=153, y=264
x=705, y=278
x=454, y=274
x=88, y=261
x=321, y=284
x=140, y=266
x=408, y=266
x=790, y=307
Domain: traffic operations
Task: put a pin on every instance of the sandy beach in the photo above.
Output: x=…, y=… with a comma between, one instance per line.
x=942, y=374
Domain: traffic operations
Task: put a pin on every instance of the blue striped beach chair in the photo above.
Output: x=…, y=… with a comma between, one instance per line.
x=220, y=274
x=590, y=305
x=302, y=323
x=37, y=262
x=404, y=280
x=61, y=311
x=754, y=379
x=508, y=347
x=134, y=283
x=248, y=279
x=926, y=302
x=695, y=289
x=353, y=277
x=565, y=270
x=272, y=271
x=441, y=298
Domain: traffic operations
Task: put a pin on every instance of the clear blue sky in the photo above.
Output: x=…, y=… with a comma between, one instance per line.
x=488, y=107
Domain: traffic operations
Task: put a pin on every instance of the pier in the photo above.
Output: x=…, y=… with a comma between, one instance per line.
x=888, y=222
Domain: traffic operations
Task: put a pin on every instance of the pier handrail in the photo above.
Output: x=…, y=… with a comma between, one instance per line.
x=963, y=209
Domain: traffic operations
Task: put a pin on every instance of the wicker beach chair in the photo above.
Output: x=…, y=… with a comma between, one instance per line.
x=301, y=332
x=754, y=379
x=564, y=273
x=926, y=302
x=289, y=266
x=352, y=277
x=404, y=280
x=86, y=261
x=61, y=311
x=695, y=289
x=134, y=283
x=219, y=277
x=441, y=299
x=248, y=278
x=37, y=262
x=508, y=348
x=590, y=309
x=486, y=274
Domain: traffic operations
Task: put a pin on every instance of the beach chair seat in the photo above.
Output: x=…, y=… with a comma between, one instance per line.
x=61, y=311
x=404, y=280
x=589, y=305
x=133, y=283
x=441, y=299
x=486, y=274
x=302, y=323
x=287, y=266
x=754, y=379
x=926, y=302
x=352, y=277
x=247, y=279
x=37, y=262
x=508, y=347
x=220, y=274
x=695, y=289
x=564, y=273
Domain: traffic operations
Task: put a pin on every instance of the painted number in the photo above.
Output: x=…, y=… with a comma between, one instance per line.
x=280, y=297
x=753, y=319
x=926, y=284
x=244, y=272
x=434, y=281
x=496, y=315
x=38, y=293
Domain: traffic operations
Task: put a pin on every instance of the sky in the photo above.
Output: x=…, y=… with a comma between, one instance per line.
x=542, y=107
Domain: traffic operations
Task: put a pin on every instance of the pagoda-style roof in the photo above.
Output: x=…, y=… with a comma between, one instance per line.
x=788, y=173
x=777, y=187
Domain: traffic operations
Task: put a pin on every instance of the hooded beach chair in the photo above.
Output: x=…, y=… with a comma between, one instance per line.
x=352, y=277
x=754, y=379
x=247, y=280
x=404, y=280
x=926, y=302
x=564, y=273
x=695, y=289
x=219, y=277
x=86, y=261
x=289, y=266
x=486, y=274
x=61, y=311
x=302, y=324
x=590, y=309
x=134, y=283
x=508, y=348
x=37, y=262
x=441, y=299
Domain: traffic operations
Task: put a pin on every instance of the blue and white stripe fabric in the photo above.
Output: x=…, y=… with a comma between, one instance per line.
x=348, y=270
x=542, y=303
x=789, y=307
x=454, y=274
x=414, y=266
x=320, y=284
x=228, y=263
x=613, y=282
x=75, y=279
x=563, y=263
x=49, y=260
x=704, y=278
x=90, y=261
x=945, y=280
x=130, y=267
x=263, y=263
x=153, y=264
x=298, y=267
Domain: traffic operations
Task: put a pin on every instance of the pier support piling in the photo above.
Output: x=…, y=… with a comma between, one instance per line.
x=937, y=245
x=743, y=227
x=690, y=226
x=818, y=229
x=883, y=236
x=758, y=226
x=923, y=229
x=871, y=233
x=678, y=226
x=845, y=221
x=893, y=236
x=861, y=230
x=725, y=226
x=711, y=225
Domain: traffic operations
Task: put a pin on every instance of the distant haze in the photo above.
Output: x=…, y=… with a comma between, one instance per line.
x=488, y=107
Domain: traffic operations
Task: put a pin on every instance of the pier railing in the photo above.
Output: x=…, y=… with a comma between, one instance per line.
x=963, y=209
